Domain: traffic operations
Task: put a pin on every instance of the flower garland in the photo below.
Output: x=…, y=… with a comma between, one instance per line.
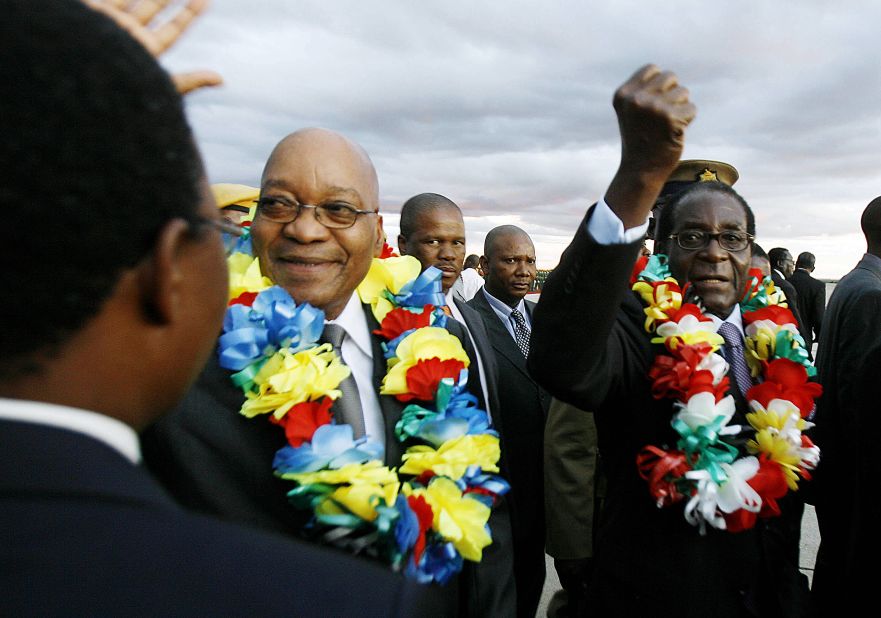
x=431, y=513
x=722, y=486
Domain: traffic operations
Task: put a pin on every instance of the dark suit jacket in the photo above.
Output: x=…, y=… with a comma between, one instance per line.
x=214, y=460
x=847, y=361
x=811, y=303
x=590, y=349
x=522, y=410
x=83, y=532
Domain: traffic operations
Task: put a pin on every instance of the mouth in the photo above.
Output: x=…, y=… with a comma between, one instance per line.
x=304, y=263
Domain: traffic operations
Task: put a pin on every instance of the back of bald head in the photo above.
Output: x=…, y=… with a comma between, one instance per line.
x=871, y=224
x=497, y=234
x=309, y=142
x=416, y=206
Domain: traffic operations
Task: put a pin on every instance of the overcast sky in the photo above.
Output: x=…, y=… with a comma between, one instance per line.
x=505, y=107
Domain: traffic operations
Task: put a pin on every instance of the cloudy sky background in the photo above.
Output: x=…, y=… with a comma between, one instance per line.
x=505, y=107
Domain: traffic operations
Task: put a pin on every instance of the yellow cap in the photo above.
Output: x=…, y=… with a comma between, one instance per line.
x=227, y=194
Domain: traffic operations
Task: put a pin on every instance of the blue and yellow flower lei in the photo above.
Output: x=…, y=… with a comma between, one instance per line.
x=430, y=514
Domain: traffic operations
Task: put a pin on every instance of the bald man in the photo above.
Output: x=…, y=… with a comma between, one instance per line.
x=316, y=230
x=848, y=364
x=509, y=263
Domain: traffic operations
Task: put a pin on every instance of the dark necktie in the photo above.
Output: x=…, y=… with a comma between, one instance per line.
x=734, y=355
x=346, y=409
x=521, y=331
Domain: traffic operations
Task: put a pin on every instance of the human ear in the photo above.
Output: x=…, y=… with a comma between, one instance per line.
x=161, y=274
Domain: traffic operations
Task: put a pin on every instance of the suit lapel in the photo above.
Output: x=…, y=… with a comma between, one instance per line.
x=501, y=339
x=390, y=407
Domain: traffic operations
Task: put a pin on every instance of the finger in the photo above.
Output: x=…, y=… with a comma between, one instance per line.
x=187, y=82
x=664, y=81
x=145, y=10
x=170, y=32
x=678, y=94
x=645, y=73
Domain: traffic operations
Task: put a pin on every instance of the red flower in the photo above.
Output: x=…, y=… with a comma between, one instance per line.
x=387, y=251
x=245, y=298
x=400, y=320
x=690, y=309
x=753, y=283
x=672, y=375
x=662, y=469
x=303, y=419
x=424, y=515
x=702, y=382
x=775, y=313
x=425, y=375
x=641, y=261
x=785, y=379
x=770, y=483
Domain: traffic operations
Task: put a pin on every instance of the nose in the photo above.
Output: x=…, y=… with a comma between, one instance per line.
x=306, y=228
x=446, y=252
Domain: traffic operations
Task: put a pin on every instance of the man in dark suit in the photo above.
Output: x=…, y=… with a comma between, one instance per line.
x=509, y=263
x=590, y=349
x=433, y=231
x=811, y=297
x=782, y=267
x=118, y=306
x=847, y=361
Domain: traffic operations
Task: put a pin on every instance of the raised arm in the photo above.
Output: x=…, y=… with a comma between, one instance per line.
x=574, y=352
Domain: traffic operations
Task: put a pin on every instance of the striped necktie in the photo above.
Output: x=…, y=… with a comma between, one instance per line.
x=346, y=409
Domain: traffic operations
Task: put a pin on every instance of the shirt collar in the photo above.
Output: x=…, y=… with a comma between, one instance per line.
x=498, y=305
x=735, y=318
x=353, y=320
x=110, y=431
x=874, y=259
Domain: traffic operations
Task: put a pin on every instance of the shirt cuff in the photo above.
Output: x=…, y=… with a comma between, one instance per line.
x=607, y=229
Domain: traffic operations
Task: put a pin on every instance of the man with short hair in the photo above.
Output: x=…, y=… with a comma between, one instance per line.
x=433, y=231
x=811, y=297
x=115, y=311
x=848, y=363
x=782, y=267
x=590, y=348
x=509, y=263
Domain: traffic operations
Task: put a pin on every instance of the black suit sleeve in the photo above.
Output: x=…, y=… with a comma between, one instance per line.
x=577, y=349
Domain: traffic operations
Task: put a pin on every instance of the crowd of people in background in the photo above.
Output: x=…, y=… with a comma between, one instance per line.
x=653, y=420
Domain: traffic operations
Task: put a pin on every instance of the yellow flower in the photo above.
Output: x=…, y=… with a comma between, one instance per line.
x=779, y=416
x=454, y=456
x=778, y=449
x=457, y=518
x=360, y=499
x=661, y=301
x=288, y=379
x=389, y=274
x=371, y=473
x=244, y=275
x=421, y=344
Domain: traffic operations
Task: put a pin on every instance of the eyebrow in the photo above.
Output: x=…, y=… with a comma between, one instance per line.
x=274, y=183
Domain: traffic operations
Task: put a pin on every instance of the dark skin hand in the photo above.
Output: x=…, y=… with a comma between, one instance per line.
x=653, y=111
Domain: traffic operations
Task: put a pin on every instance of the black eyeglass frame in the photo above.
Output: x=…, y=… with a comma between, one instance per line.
x=321, y=212
x=708, y=236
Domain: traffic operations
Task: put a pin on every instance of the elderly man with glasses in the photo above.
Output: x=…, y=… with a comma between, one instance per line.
x=315, y=232
x=590, y=348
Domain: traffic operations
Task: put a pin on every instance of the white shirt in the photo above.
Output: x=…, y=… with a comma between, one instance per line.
x=504, y=312
x=112, y=432
x=458, y=315
x=358, y=355
x=471, y=282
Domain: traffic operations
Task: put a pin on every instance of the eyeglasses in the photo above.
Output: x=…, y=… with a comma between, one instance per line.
x=334, y=215
x=224, y=225
x=692, y=240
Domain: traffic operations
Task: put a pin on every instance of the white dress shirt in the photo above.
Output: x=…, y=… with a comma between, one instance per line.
x=504, y=312
x=471, y=282
x=112, y=432
x=358, y=355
